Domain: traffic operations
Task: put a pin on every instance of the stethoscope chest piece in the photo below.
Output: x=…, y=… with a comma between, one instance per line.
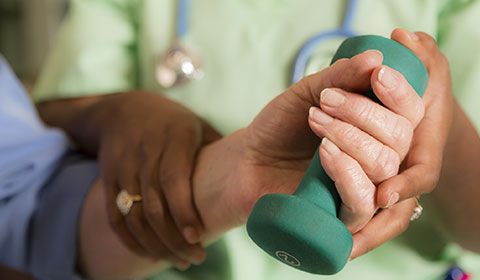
x=178, y=66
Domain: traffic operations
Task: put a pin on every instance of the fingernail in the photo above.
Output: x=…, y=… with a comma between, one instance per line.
x=330, y=147
x=387, y=78
x=375, y=51
x=319, y=116
x=199, y=258
x=412, y=35
x=182, y=265
x=191, y=234
x=331, y=98
x=394, y=197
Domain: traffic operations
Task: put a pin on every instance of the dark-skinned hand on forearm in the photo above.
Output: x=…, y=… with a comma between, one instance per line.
x=146, y=144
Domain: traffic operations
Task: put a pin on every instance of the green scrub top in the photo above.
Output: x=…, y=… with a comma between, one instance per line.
x=248, y=46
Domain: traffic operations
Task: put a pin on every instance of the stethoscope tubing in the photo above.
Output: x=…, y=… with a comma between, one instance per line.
x=181, y=27
x=345, y=30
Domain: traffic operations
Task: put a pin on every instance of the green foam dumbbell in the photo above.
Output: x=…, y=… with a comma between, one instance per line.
x=303, y=229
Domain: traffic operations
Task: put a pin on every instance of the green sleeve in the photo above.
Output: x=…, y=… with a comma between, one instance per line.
x=459, y=39
x=95, y=51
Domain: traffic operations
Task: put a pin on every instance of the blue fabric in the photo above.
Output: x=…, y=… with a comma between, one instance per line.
x=53, y=231
x=29, y=154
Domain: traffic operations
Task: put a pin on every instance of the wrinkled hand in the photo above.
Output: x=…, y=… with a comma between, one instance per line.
x=365, y=142
x=368, y=142
x=278, y=145
x=422, y=166
x=149, y=149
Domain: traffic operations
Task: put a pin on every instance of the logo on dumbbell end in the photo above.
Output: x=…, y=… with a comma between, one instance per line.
x=287, y=258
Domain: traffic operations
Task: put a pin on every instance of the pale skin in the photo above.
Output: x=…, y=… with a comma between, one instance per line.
x=272, y=153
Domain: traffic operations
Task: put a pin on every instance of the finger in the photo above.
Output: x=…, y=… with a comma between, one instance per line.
x=176, y=168
x=384, y=226
x=135, y=220
x=159, y=218
x=164, y=227
x=424, y=161
x=143, y=233
x=423, y=168
x=396, y=93
x=378, y=161
x=355, y=189
x=391, y=129
x=117, y=221
x=420, y=43
x=424, y=46
x=351, y=74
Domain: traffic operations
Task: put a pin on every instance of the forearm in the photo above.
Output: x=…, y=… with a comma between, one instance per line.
x=456, y=199
x=85, y=119
x=80, y=118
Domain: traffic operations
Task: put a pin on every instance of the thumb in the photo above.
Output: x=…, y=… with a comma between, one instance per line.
x=351, y=74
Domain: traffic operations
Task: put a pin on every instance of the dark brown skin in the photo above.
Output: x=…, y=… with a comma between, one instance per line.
x=146, y=144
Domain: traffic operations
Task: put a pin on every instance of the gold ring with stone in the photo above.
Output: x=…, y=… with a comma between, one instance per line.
x=125, y=201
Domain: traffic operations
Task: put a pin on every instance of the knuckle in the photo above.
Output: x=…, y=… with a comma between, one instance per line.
x=402, y=134
x=302, y=85
x=305, y=87
x=364, y=109
x=349, y=132
x=386, y=164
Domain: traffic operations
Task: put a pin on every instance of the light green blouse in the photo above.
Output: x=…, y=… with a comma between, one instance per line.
x=248, y=47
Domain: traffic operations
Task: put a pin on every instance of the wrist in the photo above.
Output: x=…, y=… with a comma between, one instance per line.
x=219, y=170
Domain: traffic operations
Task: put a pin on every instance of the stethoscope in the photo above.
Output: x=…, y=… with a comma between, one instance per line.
x=180, y=64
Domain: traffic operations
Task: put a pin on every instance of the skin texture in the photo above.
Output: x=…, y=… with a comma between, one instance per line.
x=264, y=161
x=274, y=149
x=421, y=168
x=422, y=165
x=272, y=153
x=146, y=144
x=277, y=147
